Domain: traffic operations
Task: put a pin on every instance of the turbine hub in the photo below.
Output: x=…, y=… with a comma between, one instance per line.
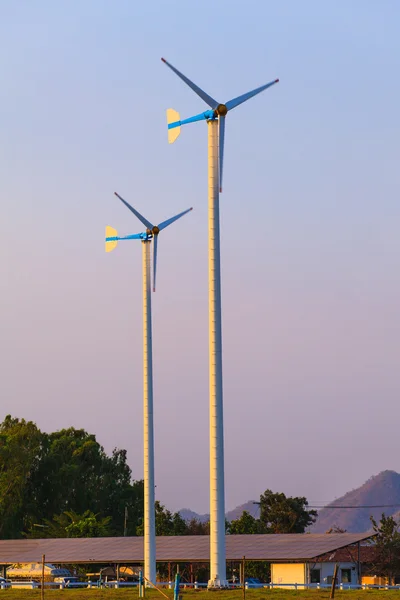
x=155, y=230
x=221, y=110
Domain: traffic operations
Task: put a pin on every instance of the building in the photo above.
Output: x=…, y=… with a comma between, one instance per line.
x=355, y=566
x=294, y=550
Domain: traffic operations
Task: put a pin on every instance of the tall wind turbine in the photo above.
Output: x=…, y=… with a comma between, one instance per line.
x=112, y=239
x=215, y=118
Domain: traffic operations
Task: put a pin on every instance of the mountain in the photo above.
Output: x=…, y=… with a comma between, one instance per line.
x=252, y=508
x=188, y=515
x=382, y=489
x=236, y=513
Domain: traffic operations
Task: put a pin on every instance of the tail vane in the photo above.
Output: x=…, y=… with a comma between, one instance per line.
x=174, y=125
x=111, y=238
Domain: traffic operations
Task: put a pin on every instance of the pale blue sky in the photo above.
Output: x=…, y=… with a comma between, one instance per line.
x=310, y=234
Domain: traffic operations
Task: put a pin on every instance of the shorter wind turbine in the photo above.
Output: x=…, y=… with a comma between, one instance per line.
x=111, y=241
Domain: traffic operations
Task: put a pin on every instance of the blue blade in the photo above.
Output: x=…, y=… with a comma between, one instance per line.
x=236, y=101
x=155, y=244
x=137, y=214
x=207, y=99
x=133, y=236
x=165, y=224
x=221, y=123
x=208, y=114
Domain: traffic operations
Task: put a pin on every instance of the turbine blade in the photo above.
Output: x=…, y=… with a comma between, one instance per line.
x=221, y=123
x=236, y=101
x=165, y=224
x=111, y=243
x=207, y=99
x=137, y=214
x=155, y=244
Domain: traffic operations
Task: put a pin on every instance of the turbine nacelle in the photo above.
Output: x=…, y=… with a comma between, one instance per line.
x=221, y=110
x=218, y=111
x=151, y=233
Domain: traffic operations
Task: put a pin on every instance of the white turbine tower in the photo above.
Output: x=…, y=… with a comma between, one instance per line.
x=215, y=119
x=111, y=241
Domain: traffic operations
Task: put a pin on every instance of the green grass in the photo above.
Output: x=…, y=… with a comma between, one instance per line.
x=263, y=594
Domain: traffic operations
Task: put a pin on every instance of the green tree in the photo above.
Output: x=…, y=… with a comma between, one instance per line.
x=245, y=524
x=20, y=451
x=42, y=475
x=281, y=514
x=167, y=523
x=196, y=527
x=75, y=474
x=387, y=547
x=69, y=524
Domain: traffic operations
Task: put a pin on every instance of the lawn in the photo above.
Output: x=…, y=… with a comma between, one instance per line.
x=263, y=594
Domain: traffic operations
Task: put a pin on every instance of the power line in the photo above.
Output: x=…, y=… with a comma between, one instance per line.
x=359, y=506
x=349, y=506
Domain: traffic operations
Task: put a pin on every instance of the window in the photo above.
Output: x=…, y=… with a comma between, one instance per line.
x=315, y=576
x=346, y=575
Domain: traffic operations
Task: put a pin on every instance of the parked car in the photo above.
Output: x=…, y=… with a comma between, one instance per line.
x=253, y=582
x=4, y=582
x=67, y=581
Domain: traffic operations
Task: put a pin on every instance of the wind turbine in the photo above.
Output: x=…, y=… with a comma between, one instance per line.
x=111, y=241
x=215, y=118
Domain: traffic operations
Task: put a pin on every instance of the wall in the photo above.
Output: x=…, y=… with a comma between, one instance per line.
x=374, y=580
x=301, y=572
x=328, y=568
x=288, y=573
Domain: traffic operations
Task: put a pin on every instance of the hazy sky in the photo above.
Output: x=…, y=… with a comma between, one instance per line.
x=310, y=235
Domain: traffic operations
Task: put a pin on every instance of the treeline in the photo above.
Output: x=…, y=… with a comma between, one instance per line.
x=63, y=484
x=53, y=478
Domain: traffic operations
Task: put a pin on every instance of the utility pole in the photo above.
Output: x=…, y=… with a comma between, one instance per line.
x=126, y=521
x=42, y=590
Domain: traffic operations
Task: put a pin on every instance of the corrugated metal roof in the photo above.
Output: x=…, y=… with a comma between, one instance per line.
x=193, y=548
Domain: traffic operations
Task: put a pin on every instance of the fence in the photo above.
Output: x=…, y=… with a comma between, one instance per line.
x=196, y=585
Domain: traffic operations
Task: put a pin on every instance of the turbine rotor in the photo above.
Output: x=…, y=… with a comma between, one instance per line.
x=221, y=110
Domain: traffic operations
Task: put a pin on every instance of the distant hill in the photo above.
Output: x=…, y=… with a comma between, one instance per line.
x=251, y=508
x=379, y=489
x=188, y=515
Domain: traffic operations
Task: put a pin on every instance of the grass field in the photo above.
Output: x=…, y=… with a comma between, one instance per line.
x=264, y=594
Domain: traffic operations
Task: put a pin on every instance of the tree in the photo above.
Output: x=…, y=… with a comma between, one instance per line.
x=75, y=474
x=71, y=525
x=336, y=529
x=20, y=451
x=166, y=522
x=196, y=527
x=245, y=524
x=387, y=546
x=279, y=514
x=43, y=475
